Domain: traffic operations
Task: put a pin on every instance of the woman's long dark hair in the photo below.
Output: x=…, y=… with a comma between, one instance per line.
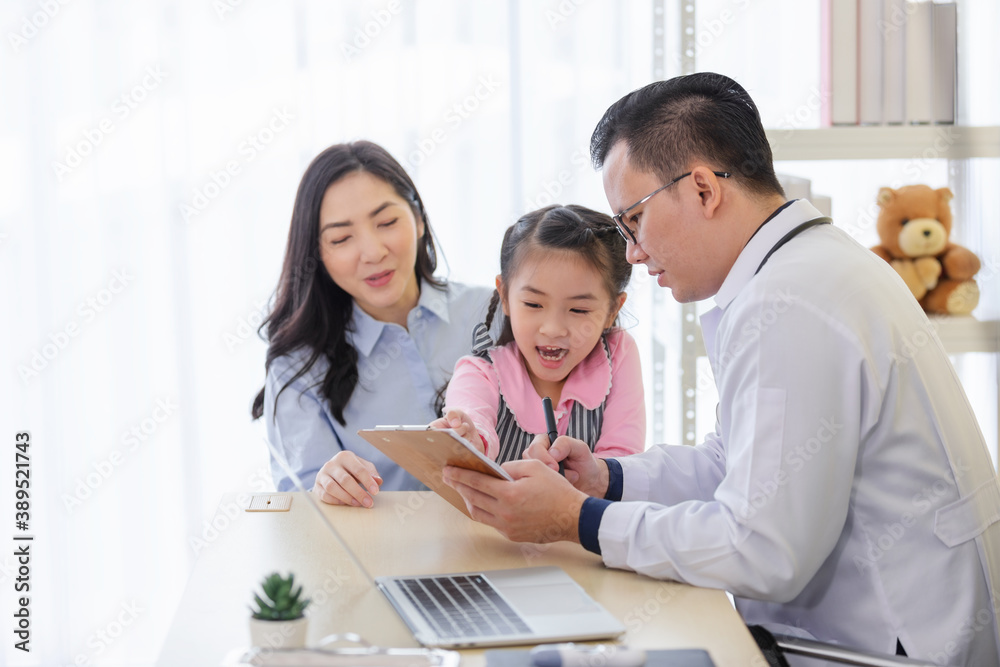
x=310, y=311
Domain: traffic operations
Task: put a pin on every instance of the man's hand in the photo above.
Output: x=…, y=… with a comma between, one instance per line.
x=538, y=506
x=583, y=470
x=347, y=479
x=462, y=424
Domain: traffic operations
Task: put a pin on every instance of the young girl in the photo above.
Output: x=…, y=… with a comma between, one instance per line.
x=562, y=282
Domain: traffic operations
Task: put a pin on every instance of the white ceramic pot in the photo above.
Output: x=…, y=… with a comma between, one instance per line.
x=278, y=634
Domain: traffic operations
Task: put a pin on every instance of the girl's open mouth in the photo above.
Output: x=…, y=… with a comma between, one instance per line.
x=551, y=357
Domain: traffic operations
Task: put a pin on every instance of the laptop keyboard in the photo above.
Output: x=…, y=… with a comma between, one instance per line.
x=463, y=606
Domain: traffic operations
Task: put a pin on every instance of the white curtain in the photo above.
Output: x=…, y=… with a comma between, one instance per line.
x=149, y=156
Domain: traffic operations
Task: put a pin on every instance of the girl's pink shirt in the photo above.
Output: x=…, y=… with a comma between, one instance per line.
x=476, y=386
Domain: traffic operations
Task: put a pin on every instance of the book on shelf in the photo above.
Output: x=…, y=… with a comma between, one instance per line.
x=841, y=19
x=796, y=187
x=945, y=89
x=870, y=61
x=888, y=62
x=825, y=85
x=919, y=62
x=823, y=204
x=893, y=28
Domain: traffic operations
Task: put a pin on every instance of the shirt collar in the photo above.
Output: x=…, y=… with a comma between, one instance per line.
x=434, y=301
x=758, y=246
x=590, y=381
x=587, y=384
x=367, y=330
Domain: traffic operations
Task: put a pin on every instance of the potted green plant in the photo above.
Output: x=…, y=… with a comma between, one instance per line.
x=279, y=620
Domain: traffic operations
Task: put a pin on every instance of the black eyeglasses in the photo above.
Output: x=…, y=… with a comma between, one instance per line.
x=623, y=229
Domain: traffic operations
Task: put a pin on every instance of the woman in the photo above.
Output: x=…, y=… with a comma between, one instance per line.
x=361, y=333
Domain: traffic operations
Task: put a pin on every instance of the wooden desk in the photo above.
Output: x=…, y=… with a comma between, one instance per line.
x=414, y=533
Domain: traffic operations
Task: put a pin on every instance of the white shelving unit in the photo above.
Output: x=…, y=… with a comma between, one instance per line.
x=949, y=142
x=956, y=144
x=967, y=334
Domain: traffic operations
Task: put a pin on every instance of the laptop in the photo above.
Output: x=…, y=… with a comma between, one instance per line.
x=528, y=605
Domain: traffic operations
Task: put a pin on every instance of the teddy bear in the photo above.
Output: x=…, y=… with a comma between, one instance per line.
x=914, y=226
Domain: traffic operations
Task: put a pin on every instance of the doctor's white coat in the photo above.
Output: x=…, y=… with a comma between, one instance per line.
x=846, y=493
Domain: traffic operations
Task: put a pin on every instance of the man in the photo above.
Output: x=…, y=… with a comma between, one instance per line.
x=846, y=492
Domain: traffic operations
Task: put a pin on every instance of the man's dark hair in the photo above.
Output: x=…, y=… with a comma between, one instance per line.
x=703, y=116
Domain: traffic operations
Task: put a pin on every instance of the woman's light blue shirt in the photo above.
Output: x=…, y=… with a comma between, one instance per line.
x=400, y=372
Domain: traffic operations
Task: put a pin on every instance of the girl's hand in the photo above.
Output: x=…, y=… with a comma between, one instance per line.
x=584, y=470
x=539, y=450
x=462, y=424
x=347, y=479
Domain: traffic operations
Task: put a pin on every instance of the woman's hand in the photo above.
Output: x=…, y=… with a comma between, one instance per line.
x=462, y=424
x=347, y=479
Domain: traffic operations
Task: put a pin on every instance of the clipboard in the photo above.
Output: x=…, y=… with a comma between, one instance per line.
x=424, y=452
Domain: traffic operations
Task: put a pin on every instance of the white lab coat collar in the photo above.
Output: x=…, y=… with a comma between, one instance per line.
x=751, y=256
x=745, y=266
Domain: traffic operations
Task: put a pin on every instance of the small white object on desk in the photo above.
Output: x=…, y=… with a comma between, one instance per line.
x=584, y=655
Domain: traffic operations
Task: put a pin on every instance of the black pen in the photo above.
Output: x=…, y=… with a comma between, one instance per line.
x=553, y=430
